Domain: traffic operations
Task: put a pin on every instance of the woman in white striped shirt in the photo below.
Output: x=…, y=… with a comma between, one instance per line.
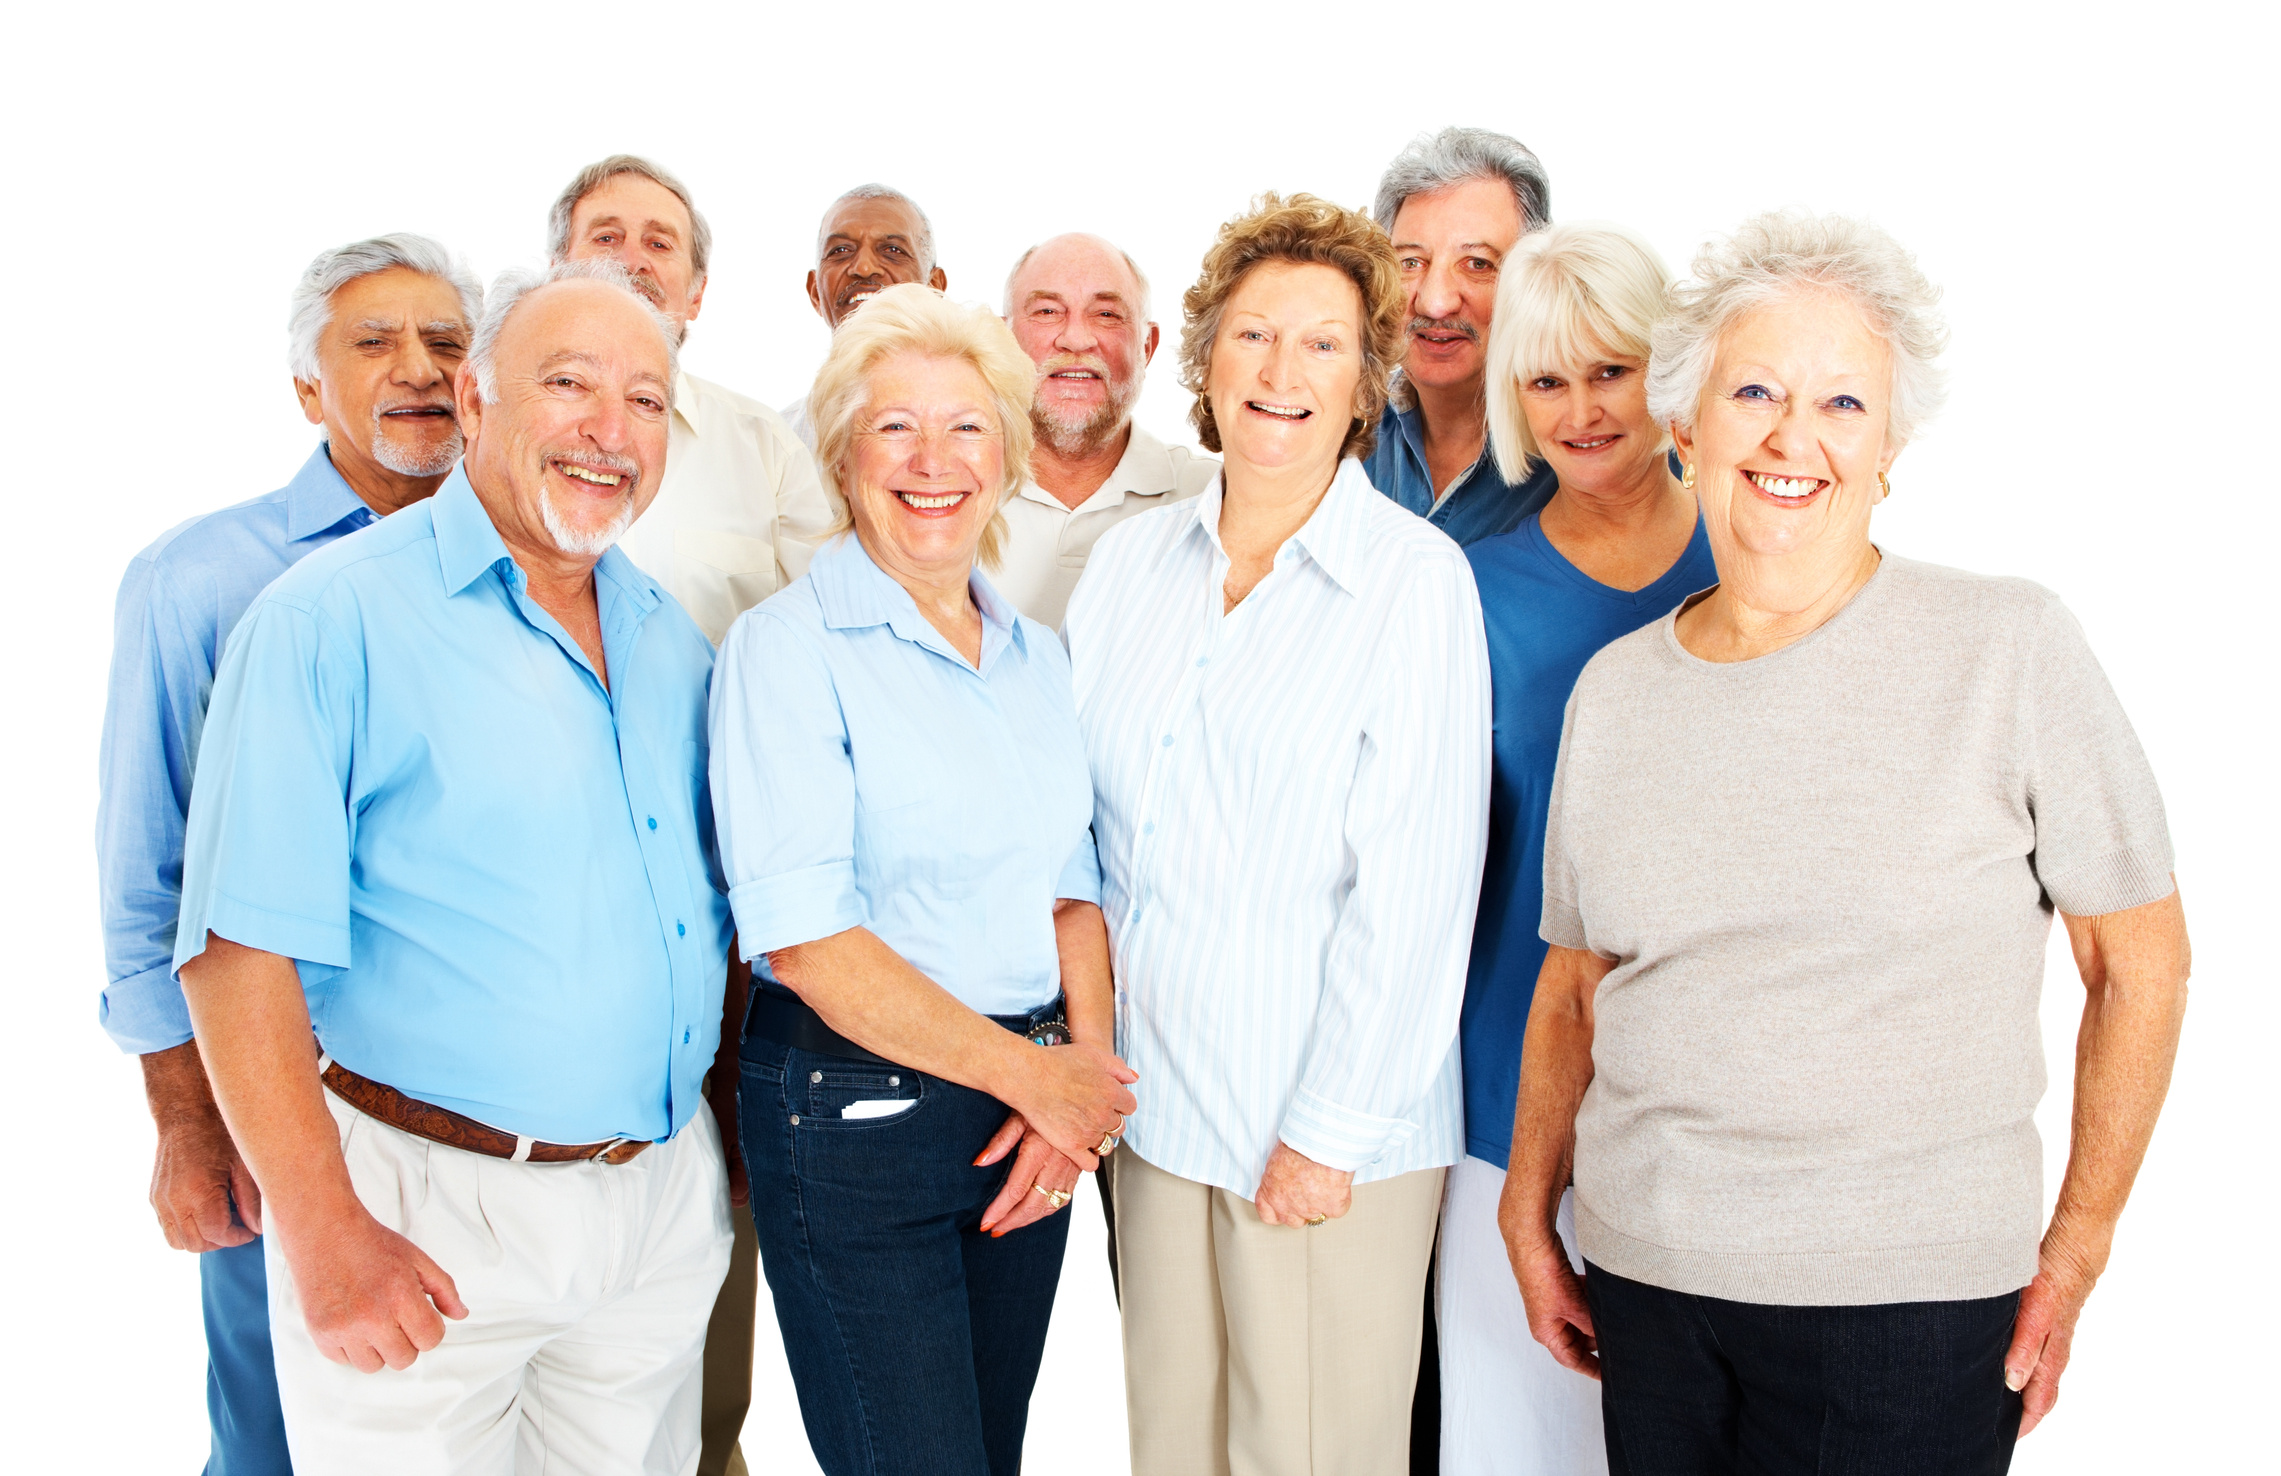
x=1284, y=694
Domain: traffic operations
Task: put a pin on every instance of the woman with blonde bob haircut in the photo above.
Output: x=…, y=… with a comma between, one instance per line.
x=1807, y=836
x=1618, y=544
x=1284, y=700
x=904, y=816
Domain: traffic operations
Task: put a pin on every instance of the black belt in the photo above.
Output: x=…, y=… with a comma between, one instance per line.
x=780, y=1016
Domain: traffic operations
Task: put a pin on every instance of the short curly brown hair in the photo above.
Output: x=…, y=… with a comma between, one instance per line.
x=1304, y=229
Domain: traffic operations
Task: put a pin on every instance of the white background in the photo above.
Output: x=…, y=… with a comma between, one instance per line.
x=2092, y=191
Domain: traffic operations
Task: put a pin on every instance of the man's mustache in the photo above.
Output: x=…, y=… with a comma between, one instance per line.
x=1444, y=325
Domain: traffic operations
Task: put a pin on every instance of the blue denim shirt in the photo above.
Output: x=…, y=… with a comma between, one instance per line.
x=495, y=872
x=178, y=603
x=1482, y=504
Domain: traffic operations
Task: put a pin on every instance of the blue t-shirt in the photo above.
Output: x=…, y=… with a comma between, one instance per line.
x=1545, y=619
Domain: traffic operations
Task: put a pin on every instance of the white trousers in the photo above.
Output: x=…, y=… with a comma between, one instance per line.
x=587, y=1287
x=1507, y=1406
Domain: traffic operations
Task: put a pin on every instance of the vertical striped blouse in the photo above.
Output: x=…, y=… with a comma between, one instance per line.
x=1291, y=802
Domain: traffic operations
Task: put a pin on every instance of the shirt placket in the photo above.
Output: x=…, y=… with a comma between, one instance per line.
x=1176, y=738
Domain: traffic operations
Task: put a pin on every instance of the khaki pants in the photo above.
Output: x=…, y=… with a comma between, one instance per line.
x=728, y=1354
x=1266, y=1350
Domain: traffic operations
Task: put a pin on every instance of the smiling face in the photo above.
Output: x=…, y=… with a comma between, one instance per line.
x=1591, y=424
x=1452, y=242
x=1075, y=309
x=574, y=447
x=385, y=364
x=643, y=226
x=926, y=468
x=1790, y=436
x=1286, y=367
x=866, y=245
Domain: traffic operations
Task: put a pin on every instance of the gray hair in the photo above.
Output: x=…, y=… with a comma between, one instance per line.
x=926, y=241
x=1435, y=161
x=1773, y=255
x=509, y=289
x=312, y=311
x=1140, y=278
x=600, y=173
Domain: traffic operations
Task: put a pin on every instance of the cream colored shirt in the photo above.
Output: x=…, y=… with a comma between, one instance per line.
x=741, y=509
x=796, y=416
x=1048, y=543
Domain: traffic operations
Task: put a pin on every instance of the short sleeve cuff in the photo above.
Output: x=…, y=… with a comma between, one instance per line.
x=1081, y=877
x=1563, y=925
x=281, y=933
x=145, y=1012
x=2114, y=882
x=1339, y=1137
x=796, y=907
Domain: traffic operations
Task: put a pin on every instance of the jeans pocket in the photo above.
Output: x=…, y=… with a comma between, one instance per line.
x=855, y=1094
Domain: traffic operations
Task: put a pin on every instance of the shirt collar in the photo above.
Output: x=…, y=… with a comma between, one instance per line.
x=318, y=497
x=468, y=546
x=855, y=592
x=685, y=401
x=1336, y=535
x=1145, y=470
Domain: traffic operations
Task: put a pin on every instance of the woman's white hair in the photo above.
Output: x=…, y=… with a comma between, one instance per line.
x=312, y=311
x=912, y=318
x=510, y=287
x=1569, y=296
x=1773, y=255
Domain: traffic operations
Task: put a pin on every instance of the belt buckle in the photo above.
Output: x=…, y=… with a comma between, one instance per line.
x=602, y=1154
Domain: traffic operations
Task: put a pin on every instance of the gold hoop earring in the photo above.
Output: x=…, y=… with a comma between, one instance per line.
x=1884, y=488
x=1687, y=475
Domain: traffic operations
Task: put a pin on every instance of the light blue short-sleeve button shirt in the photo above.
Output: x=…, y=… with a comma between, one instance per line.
x=415, y=785
x=864, y=775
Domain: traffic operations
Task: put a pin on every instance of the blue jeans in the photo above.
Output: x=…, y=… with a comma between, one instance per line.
x=914, y=1338
x=241, y=1375
x=1698, y=1386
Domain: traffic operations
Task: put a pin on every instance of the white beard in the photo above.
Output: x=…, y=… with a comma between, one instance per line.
x=583, y=543
x=408, y=461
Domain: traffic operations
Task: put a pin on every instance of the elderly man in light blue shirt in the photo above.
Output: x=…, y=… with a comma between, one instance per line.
x=451, y=813
x=377, y=330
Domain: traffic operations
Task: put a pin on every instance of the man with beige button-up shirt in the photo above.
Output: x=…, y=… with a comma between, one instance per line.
x=742, y=505
x=740, y=510
x=1079, y=307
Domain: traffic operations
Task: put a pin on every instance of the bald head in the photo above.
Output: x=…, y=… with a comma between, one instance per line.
x=1079, y=308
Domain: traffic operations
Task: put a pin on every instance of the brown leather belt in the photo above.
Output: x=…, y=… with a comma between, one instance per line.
x=442, y=1125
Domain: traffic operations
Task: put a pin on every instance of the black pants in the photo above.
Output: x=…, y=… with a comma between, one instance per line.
x=1696, y=1386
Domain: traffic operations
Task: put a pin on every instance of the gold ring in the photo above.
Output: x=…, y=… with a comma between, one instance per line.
x=1055, y=1197
x=1314, y=1220
x=1106, y=1146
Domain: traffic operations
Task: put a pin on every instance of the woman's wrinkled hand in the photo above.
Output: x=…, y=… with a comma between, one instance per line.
x=1296, y=1190
x=1074, y=1094
x=1552, y=1292
x=1038, y=1165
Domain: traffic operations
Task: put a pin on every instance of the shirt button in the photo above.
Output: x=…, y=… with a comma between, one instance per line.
x=1203, y=661
x=1149, y=829
x=815, y=1076
x=1135, y=917
x=681, y=930
x=653, y=822
x=1168, y=740
x=685, y=1037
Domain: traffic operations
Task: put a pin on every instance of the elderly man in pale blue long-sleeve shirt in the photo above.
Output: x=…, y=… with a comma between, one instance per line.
x=377, y=330
x=451, y=815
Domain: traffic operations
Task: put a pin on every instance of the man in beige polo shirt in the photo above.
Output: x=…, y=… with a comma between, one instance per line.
x=1079, y=307
x=742, y=505
x=739, y=512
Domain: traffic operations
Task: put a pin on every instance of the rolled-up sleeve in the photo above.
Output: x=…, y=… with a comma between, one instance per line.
x=160, y=671
x=783, y=788
x=1081, y=874
x=1416, y=828
x=266, y=862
